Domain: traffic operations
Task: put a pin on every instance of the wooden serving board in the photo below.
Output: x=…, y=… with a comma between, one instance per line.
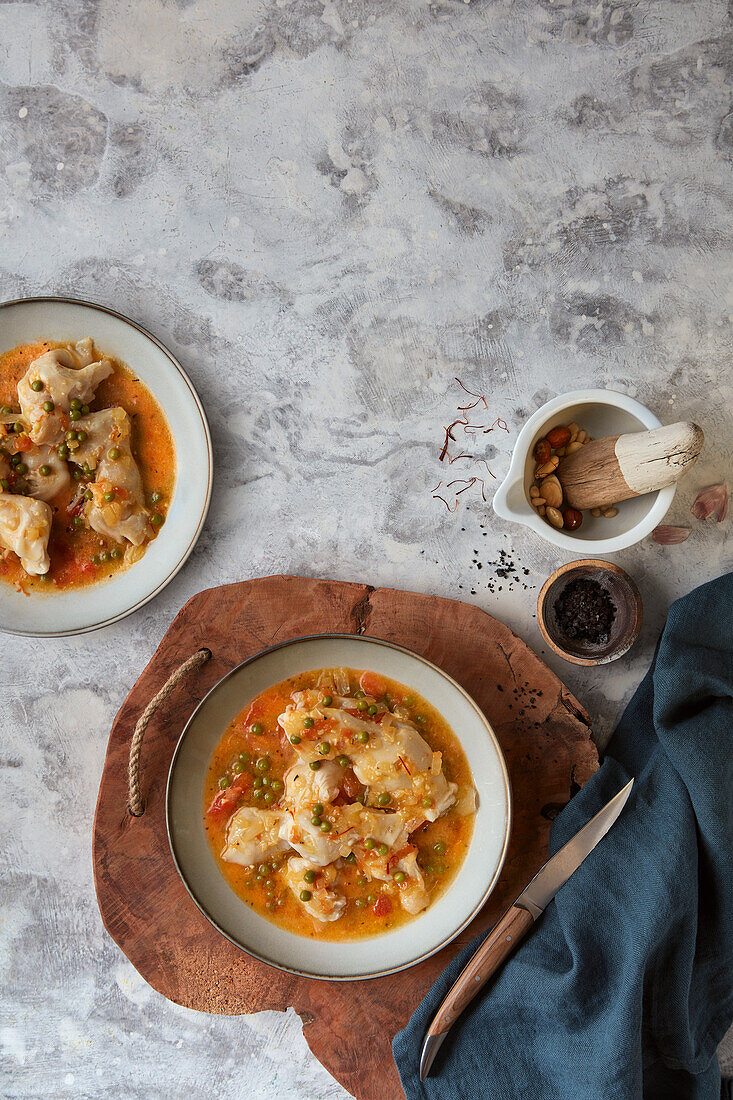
x=543, y=731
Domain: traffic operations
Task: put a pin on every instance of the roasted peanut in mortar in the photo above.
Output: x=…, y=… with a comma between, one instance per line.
x=547, y=496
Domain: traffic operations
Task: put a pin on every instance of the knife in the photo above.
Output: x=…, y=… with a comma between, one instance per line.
x=509, y=931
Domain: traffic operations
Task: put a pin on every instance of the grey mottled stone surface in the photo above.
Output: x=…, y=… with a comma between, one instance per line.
x=328, y=210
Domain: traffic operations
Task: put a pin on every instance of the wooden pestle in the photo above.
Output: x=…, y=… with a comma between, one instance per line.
x=617, y=467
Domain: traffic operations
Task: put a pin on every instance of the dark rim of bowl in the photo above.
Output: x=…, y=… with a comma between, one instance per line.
x=507, y=791
x=210, y=474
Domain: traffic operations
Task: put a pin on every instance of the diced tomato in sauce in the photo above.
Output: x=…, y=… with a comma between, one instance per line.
x=373, y=684
x=383, y=906
x=226, y=800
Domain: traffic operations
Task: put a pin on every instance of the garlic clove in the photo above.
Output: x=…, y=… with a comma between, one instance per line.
x=714, y=499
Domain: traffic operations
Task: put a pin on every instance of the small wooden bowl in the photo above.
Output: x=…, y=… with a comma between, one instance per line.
x=626, y=624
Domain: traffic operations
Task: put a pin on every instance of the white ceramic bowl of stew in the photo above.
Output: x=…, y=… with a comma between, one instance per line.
x=79, y=609
x=359, y=958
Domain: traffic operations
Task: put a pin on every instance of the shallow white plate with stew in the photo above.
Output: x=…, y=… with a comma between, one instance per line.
x=75, y=611
x=353, y=959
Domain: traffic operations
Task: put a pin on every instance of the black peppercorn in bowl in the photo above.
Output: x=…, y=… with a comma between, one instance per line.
x=589, y=612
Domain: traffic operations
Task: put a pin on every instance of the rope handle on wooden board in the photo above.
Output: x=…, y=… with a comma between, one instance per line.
x=134, y=797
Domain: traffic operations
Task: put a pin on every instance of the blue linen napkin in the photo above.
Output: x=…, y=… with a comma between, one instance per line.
x=624, y=987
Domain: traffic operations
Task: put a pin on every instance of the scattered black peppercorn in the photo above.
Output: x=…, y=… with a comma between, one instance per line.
x=584, y=611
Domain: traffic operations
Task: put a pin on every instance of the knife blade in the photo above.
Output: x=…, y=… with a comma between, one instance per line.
x=508, y=932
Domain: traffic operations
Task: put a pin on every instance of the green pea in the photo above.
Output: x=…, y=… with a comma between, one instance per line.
x=257, y=781
x=89, y=495
x=263, y=869
x=362, y=737
x=263, y=764
x=361, y=705
x=314, y=765
x=439, y=848
x=259, y=878
x=361, y=881
x=116, y=554
x=351, y=858
x=383, y=800
x=155, y=496
x=430, y=869
x=258, y=792
x=114, y=453
x=359, y=694
x=399, y=876
x=48, y=406
x=37, y=385
x=77, y=521
x=256, y=727
x=77, y=475
x=265, y=781
x=104, y=556
x=95, y=559
x=315, y=820
x=439, y=868
x=318, y=809
x=324, y=748
x=276, y=784
x=75, y=403
x=371, y=899
x=308, y=723
x=108, y=497
x=19, y=427
x=269, y=797
x=237, y=767
x=295, y=739
x=21, y=468
x=224, y=782
x=62, y=450
x=342, y=761
x=372, y=709
x=327, y=700
x=360, y=903
x=409, y=701
x=85, y=410
x=44, y=470
x=6, y=410
x=369, y=844
x=326, y=826
x=427, y=803
x=5, y=484
x=74, y=414
x=421, y=719
x=14, y=460
x=305, y=895
x=310, y=876
x=382, y=849
x=71, y=436
x=244, y=757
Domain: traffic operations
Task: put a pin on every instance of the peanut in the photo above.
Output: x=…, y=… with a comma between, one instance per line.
x=546, y=468
x=595, y=512
x=582, y=436
x=538, y=502
x=554, y=516
x=534, y=491
x=541, y=510
x=551, y=491
x=561, y=451
x=573, y=447
x=573, y=429
x=609, y=513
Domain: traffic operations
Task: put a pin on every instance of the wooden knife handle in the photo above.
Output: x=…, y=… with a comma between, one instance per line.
x=500, y=942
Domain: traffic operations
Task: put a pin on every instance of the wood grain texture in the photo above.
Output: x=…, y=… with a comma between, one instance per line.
x=504, y=937
x=543, y=731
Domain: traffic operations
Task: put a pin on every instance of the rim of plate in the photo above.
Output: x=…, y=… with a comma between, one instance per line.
x=63, y=299
x=507, y=793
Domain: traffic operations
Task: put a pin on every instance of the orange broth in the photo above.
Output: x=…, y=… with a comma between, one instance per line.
x=264, y=890
x=71, y=548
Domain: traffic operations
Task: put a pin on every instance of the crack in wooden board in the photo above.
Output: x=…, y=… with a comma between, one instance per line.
x=543, y=730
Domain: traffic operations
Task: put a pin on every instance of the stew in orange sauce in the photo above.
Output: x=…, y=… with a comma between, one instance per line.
x=80, y=556
x=318, y=803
